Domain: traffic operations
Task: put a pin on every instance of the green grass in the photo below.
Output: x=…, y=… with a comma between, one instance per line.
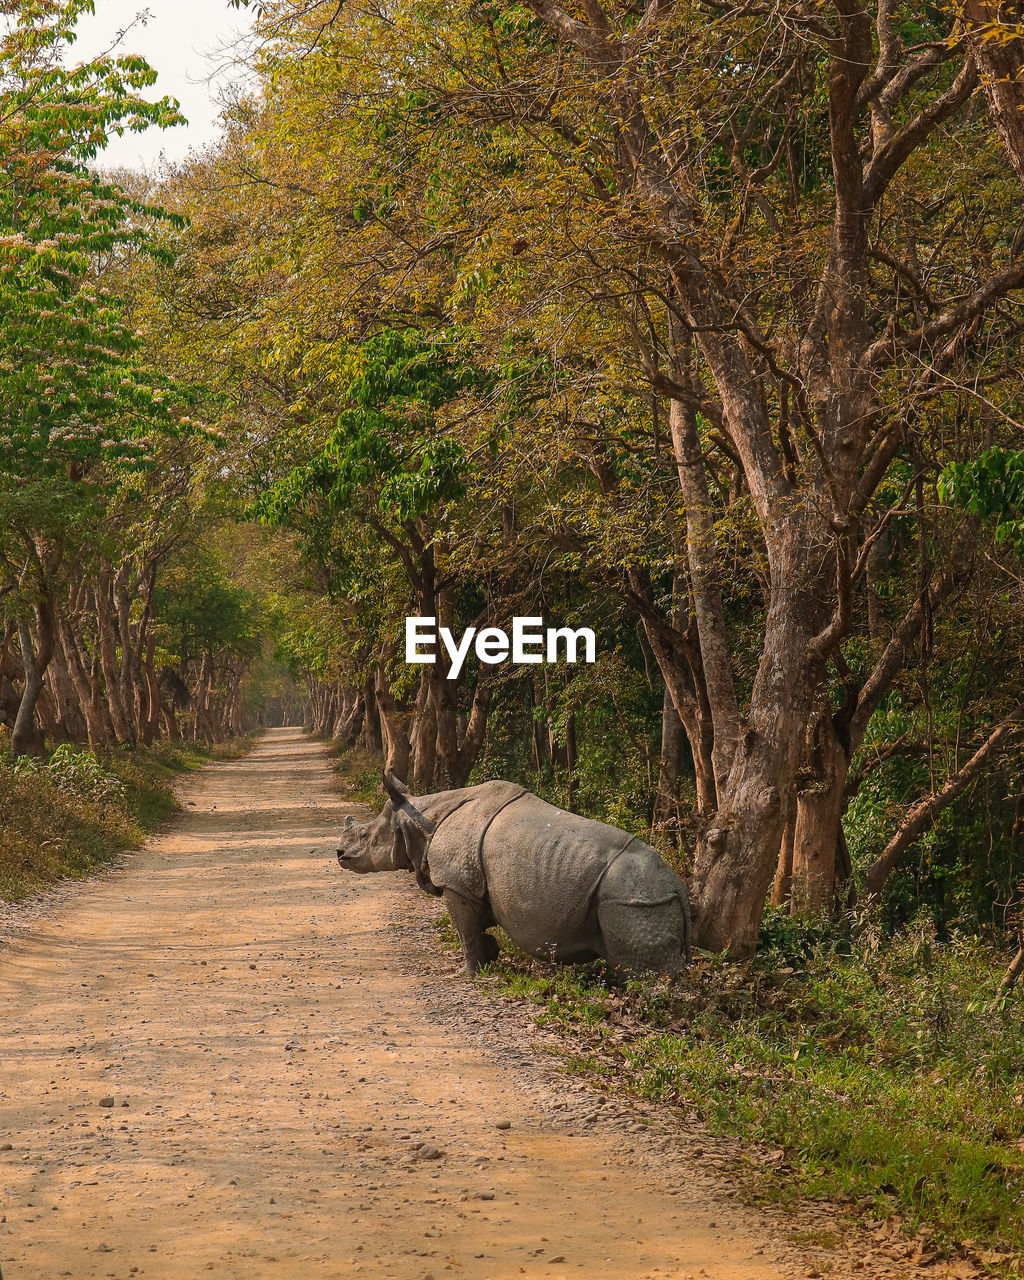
x=66, y=818
x=886, y=1075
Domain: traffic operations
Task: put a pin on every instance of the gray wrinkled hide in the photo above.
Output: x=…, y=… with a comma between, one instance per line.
x=555, y=882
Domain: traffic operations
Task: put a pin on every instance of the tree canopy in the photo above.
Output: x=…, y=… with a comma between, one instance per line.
x=690, y=323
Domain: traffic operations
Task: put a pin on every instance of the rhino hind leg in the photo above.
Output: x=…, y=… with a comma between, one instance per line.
x=471, y=920
x=642, y=937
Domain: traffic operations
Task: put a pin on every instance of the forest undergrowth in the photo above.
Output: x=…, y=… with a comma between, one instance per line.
x=360, y=773
x=75, y=811
x=886, y=1075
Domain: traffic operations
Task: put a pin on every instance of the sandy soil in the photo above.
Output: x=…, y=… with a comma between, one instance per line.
x=229, y=1057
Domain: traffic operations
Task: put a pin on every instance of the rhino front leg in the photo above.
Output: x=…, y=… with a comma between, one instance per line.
x=470, y=921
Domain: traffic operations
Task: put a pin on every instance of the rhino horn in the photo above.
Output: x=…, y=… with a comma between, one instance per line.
x=395, y=790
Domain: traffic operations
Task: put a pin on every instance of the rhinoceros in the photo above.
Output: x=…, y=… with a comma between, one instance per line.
x=564, y=888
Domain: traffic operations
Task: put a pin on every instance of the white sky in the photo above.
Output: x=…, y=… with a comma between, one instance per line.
x=185, y=41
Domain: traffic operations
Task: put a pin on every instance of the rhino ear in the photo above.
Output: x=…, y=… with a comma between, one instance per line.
x=414, y=832
x=406, y=813
x=395, y=790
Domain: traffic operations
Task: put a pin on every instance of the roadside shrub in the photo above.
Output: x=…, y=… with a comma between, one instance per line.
x=49, y=831
x=77, y=772
x=76, y=811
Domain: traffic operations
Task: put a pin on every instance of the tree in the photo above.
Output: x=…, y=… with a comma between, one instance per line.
x=215, y=629
x=73, y=401
x=758, y=213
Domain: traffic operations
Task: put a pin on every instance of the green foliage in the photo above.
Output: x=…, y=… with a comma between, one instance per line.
x=202, y=611
x=72, y=390
x=385, y=441
x=76, y=774
x=992, y=487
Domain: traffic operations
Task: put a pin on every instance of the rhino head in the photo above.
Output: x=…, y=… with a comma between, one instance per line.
x=396, y=840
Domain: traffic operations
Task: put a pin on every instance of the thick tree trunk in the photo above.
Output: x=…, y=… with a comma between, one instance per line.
x=819, y=808
x=151, y=719
x=35, y=657
x=354, y=721
x=424, y=739
x=204, y=725
x=371, y=738
x=476, y=730
x=341, y=711
x=71, y=724
x=316, y=701
x=349, y=722
x=234, y=713
x=47, y=717
x=99, y=706
x=670, y=761
x=89, y=696
x=73, y=666
x=444, y=702
x=342, y=715
x=9, y=699
x=25, y=736
x=108, y=660
x=458, y=747
x=395, y=726
x=737, y=860
x=172, y=730
x=783, y=883
x=328, y=710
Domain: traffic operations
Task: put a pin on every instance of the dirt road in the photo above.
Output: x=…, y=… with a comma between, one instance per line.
x=229, y=1057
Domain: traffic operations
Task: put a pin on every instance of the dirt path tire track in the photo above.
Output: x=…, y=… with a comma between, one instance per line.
x=285, y=1053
